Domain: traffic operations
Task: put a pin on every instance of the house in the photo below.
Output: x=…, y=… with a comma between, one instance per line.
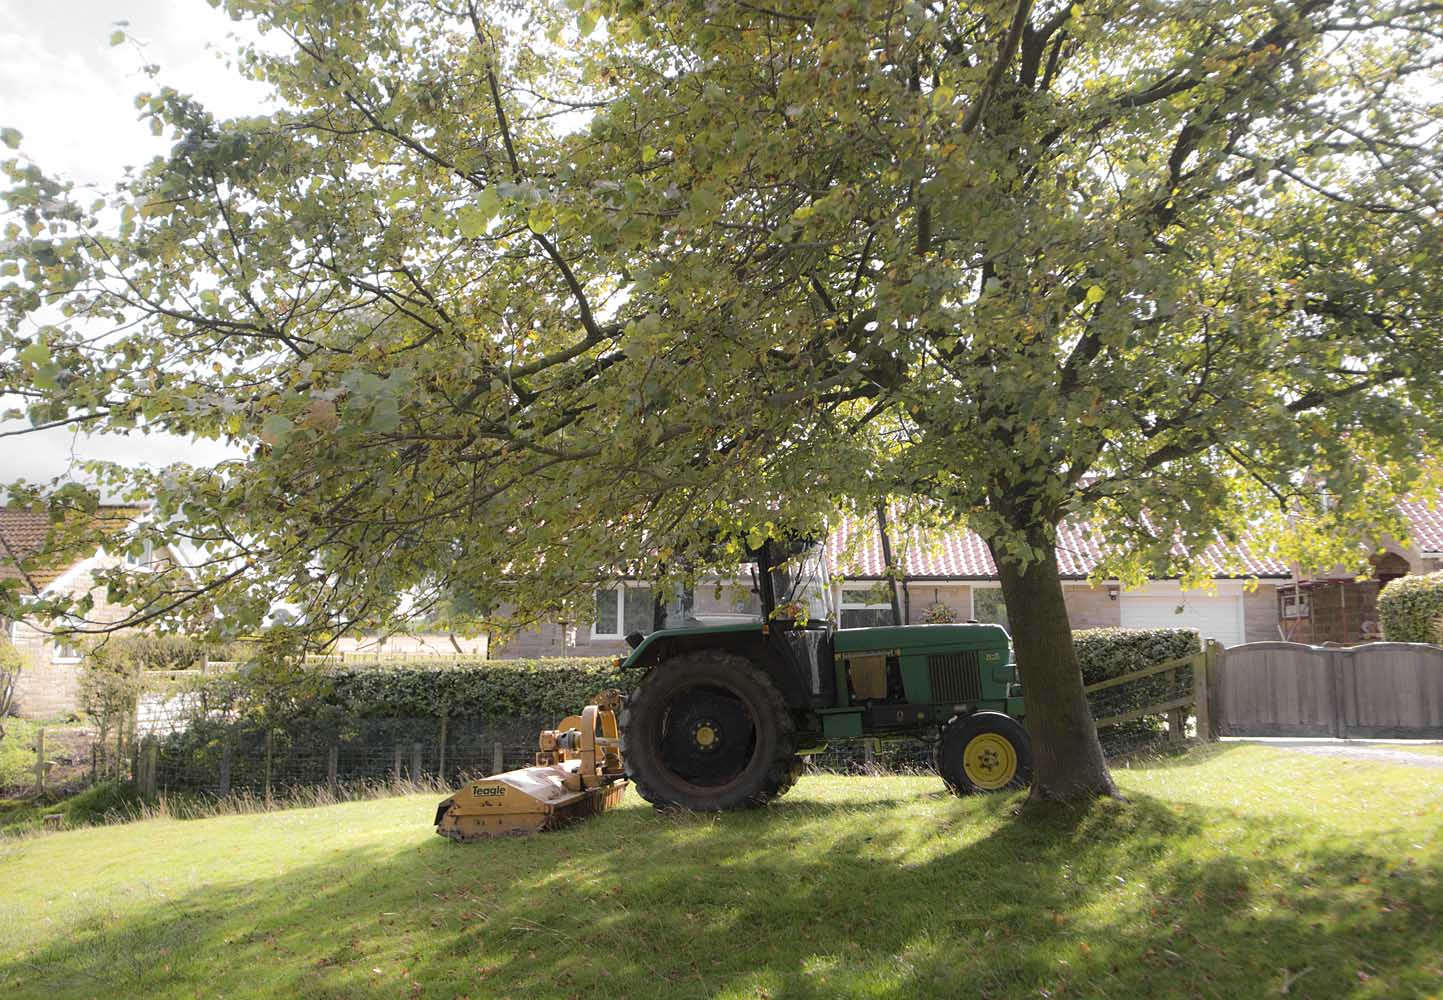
x=1336, y=606
x=49, y=684
x=1254, y=594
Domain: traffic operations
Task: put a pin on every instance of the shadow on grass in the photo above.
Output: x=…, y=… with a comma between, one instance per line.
x=807, y=899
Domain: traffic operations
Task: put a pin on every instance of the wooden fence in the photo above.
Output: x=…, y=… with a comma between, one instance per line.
x=1178, y=707
x=1381, y=690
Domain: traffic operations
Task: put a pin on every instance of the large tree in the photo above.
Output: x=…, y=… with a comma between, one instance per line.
x=509, y=295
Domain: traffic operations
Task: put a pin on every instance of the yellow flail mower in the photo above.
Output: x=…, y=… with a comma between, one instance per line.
x=578, y=773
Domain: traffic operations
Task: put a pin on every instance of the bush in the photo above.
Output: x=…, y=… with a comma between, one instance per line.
x=1410, y=608
x=939, y=614
x=275, y=692
x=1104, y=653
x=11, y=663
x=110, y=684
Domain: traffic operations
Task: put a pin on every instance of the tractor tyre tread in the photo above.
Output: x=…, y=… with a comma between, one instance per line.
x=782, y=767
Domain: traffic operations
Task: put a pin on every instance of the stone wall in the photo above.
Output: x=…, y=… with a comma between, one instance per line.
x=48, y=689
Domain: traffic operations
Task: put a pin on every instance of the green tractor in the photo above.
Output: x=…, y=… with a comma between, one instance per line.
x=725, y=714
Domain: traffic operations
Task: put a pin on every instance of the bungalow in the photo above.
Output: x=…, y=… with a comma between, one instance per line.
x=1254, y=594
x=49, y=684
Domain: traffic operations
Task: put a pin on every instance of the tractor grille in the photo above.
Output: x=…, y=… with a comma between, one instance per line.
x=955, y=677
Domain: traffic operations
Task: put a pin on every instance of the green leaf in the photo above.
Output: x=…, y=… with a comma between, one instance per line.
x=489, y=201
x=275, y=428
x=35, y=354
x=1095, y=294
x=472, y=222
x=541, y=217
x=10, y=137
x=648, y=153
x=117, y=37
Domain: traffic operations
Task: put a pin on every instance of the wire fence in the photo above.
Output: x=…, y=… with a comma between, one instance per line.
x=222, y=759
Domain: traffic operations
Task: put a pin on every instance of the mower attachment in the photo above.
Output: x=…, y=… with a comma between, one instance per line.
x=578, y=772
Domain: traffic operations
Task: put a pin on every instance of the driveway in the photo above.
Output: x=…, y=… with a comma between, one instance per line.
x=1377, y=752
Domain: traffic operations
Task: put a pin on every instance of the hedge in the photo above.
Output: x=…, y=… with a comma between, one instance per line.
x=1410, y=609
x=498, y=689
x=1104, y=653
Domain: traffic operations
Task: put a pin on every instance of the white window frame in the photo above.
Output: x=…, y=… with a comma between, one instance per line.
x=1296, y=606
x=55, y=648
x=141, y=561
x=619, y=588
x=845, y=605
x=972, y=589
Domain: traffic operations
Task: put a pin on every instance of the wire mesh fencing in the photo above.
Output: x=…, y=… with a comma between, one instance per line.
x=222, y=760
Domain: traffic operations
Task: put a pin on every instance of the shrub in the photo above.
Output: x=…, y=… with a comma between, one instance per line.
x=939, y=614
x=1104, y=653
x=1111, y=652
x=110, y=684
x=275, y=692
x=11, y=663
x=1410, y=608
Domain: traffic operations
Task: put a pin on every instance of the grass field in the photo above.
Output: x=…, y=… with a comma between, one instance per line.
x=1231, y=872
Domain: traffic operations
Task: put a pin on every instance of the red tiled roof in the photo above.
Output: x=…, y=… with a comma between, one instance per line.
x=1427, y=523
x=854, y=549
x=25, y=534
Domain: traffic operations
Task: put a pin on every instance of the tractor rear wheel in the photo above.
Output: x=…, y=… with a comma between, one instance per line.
x=708, y=731
x=984, y=752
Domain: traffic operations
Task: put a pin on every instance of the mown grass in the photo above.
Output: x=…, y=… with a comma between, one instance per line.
x=1231, y=872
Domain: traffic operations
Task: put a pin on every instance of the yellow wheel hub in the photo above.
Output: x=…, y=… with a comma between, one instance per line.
x=990, y=761
x=705, y=736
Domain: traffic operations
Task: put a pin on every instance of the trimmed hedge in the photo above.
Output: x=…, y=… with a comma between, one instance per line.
x=498, y=689
x=1410, y=609
x=1104, y=653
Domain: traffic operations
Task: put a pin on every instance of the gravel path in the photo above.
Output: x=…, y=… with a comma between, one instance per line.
x=1354, y=751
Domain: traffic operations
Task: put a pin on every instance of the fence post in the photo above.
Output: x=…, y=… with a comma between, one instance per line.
x=498, y=759
x=227, y=755
x=152, y=759
x=441, y=764
x=1200, y=672
x=333, y=757
x=269, y=732
x=40, y=761
x=1217, y=667
x=1338, y=672
x=396, y=767
x=869, y=755
x=415, y=762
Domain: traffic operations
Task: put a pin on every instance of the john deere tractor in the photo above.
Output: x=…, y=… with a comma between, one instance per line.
x=726, y=713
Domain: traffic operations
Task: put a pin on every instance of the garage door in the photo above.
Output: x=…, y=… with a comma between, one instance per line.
x=1217, y=618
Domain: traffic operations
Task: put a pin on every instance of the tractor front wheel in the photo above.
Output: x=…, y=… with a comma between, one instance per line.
x=985, y=752
x=708, y=731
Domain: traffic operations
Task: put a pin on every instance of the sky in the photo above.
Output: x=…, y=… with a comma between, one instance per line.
x=69, y=91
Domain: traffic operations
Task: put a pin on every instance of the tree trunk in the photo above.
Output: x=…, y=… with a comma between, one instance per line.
x=885, y=532
x=1067, y=758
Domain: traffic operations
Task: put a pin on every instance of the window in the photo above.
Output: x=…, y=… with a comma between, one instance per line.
x=64, y=649
x=987, y=606
x=622, y=610
x=141, y=558
x=1295, y=605
x=866, y=607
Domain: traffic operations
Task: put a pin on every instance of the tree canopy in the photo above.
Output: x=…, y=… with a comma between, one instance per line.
x=509, y=296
